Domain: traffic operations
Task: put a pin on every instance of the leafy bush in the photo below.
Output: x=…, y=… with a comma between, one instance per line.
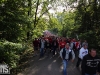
x=10, y=53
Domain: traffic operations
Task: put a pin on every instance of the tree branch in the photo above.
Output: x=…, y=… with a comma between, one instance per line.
x=36, y=13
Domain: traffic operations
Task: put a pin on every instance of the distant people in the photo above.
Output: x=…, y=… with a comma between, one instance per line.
x=47, y=46
x=91, y=63
x=35, y=46
x=66, y=54
x=62, y=44
x=72, y=45
x=82, y=52
x=55, y=46
x=50, y=40
x=68, y=40
x=78, y=47
x=42, y=47
x=85, y=42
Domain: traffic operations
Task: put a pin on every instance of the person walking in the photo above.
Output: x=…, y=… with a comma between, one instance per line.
x=42, y=46
x=47, y=46
x=90, y=63
x=78, y=47
x=55, y=45
x=71, y=45
x=66, y=54
x=82, y=52
x=62, y=44
x=35, y=46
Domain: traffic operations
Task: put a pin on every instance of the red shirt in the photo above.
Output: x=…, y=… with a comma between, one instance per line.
x=62, y=44
x=50, y=40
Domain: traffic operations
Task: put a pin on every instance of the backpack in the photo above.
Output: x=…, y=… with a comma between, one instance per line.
x=64, y=54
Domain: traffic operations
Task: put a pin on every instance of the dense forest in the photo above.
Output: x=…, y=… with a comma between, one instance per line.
x=23, y=20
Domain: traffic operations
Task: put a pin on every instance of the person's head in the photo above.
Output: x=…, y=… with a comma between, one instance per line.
x=93, y=52
x=85, y=46
x=67, y=46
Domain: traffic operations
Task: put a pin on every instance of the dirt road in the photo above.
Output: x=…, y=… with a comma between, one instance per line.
x=49, y=65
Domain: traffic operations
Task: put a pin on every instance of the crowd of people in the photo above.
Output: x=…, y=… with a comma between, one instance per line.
x=54, y=44
x=68, y=49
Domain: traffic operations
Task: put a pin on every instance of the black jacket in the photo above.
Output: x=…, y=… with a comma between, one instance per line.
x=47, y=44
x=90, y=64
x=55, y=43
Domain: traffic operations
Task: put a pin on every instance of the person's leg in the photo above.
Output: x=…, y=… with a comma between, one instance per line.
x=45, y=51
x=78, y=62
x=65, y=67
x=54, y=50
x=77, y=53
x=48, y=51
x=34, y=54
x=41, y=52
x=36, y=51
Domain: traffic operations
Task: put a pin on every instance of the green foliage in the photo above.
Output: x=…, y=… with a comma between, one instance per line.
x=13, y=18
x=54, y=25
x=10, y=53
x=87, y=17
x=42, y=25
x=67, y=22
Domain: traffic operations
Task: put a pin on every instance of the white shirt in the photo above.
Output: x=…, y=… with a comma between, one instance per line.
x=83, y=52
x=42, y=43
x=71, y=45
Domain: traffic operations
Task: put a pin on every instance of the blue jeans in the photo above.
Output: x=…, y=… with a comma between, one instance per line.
x=88, y=74
x=54, y=49
x=41, y=52
x=65, y=63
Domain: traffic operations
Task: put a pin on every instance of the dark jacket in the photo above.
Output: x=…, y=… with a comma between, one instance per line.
x=90, y=64
x=55, y=43
x=47, y=44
